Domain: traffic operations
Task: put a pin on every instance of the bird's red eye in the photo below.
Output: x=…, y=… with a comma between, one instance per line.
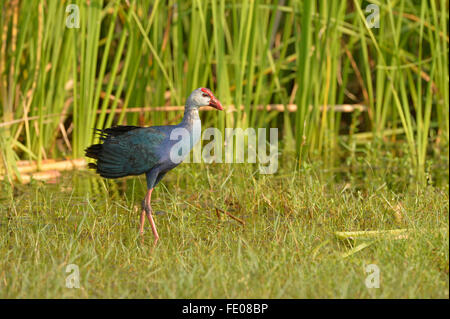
x=204, y=94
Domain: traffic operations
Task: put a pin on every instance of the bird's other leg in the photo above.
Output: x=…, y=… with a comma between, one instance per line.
x=148, y=211
x=141, y=228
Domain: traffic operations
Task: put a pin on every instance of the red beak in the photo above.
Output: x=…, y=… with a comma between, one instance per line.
x=215, y=103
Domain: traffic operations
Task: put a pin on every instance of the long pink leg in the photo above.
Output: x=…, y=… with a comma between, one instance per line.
x=148, y=211
x=141, y=229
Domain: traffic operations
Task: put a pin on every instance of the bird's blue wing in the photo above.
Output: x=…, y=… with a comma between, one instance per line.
x=132, y=152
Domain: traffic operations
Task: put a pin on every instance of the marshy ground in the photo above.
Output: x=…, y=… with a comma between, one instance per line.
x=287, y=248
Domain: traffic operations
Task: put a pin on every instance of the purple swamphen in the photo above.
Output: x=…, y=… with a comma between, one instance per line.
x=133, y=150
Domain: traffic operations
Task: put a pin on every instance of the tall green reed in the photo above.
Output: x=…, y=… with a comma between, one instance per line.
x=58, y=83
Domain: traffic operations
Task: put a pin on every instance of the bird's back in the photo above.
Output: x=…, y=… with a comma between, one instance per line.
x=127, y=150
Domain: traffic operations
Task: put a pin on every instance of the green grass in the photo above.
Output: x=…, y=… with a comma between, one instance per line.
x=287, y=248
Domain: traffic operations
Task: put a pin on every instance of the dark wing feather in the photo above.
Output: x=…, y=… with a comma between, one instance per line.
x=115, y=131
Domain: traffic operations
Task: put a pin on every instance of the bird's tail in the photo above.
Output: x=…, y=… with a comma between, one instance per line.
x=93, y=151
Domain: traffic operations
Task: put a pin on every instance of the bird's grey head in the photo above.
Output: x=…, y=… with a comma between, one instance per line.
x=203, y=97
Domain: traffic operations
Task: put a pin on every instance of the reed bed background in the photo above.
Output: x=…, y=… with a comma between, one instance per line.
x=340, y=84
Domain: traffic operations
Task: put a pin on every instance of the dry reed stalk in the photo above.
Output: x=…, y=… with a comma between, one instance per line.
x=343, y=108
x=40, y=176
x=51, y=165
